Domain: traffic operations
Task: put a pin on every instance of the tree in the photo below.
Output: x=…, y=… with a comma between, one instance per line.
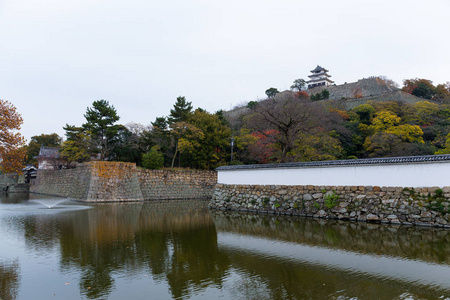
x=262, y=146
x=33, y=147
x=316, y=146
x=153, y=159
x=289, y=116
x=252, y=104
x=364, y=113
x=302, y=95
x=100, y=126
x=12, y=152
x=76, y=147
x=324, y=94
x=160, y=135
x=298, y=85
x=185, y=137
x=125, y=146
x=389, y=82
x=213, y=148
x=181, y=111
x=423, y=88
x=271, y=92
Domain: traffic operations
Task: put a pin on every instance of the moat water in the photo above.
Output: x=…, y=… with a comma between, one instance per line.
x=54, y=249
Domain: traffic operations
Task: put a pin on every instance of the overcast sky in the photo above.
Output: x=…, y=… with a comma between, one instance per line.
x=57, y=57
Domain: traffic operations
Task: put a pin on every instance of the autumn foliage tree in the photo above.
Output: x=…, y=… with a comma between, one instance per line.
x=12, y=152
x=422, y=88
x=288, y=115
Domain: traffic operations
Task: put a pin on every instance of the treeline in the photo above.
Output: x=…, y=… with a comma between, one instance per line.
x=287, y=127
x=186, y=138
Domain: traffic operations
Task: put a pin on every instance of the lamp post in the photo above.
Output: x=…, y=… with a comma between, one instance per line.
x=232, y=143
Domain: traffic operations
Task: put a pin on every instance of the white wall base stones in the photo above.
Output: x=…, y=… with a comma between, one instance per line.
x=394, y=205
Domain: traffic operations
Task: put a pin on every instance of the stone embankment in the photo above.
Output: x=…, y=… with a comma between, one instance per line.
x=176, y=184
x=366, y=87
x=117, y=181
x=394, y=205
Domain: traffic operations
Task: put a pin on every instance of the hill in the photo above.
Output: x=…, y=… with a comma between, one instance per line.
x=345, y=96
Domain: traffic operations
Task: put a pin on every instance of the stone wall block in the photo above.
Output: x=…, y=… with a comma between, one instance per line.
x=369, y=204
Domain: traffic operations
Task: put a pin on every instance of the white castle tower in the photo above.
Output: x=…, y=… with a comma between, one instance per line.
x=319, y=77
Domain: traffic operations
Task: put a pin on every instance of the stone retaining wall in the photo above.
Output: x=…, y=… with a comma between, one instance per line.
x=115, y=181
x=366, y=87
x=395, y=205
x=71, y=183
x=177, y=184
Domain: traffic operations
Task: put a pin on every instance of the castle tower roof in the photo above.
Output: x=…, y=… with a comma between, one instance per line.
x=319, y=69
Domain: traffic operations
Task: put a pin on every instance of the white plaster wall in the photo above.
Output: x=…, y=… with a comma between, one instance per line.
x=405, y=175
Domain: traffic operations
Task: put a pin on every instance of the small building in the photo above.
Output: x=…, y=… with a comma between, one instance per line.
x=319, y=77
x=30, y=173
x=49, y=158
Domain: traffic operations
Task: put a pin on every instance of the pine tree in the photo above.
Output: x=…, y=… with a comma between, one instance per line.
x=181, y=111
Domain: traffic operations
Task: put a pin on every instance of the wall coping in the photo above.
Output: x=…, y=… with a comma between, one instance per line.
x=344, y=162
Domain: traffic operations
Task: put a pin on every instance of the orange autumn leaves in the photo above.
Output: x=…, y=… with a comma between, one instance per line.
x=12, y=152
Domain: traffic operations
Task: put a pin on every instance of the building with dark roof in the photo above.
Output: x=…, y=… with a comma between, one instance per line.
x=49, y=158
x=319, y=77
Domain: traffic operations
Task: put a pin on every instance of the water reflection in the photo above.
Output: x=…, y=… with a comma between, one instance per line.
x=172, y=242
x=9, y=279
x=418, y=243
x=179, y=249
x=318, y=259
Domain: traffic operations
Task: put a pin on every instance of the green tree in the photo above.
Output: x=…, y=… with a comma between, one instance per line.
x=126, y=146
x=271, y=92
x=325, y=94
x=76, y=146
x=316, y=146
x=153, y=159
x=185, y=137
x=100, y=126
x=213, y=148
x=362, y=114
x=252, y=104
x=33, y=147
x=419, y=87
x=298, y=85
x=160, y=135
x=181, y=111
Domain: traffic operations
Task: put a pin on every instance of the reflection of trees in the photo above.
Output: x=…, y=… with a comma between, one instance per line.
x=175, y=241
x=427, y=244
x=9, y=279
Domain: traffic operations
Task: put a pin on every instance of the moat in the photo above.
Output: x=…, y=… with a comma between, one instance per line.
x=56, y=249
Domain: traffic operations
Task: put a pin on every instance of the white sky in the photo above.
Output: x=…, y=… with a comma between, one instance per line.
x=57, y=57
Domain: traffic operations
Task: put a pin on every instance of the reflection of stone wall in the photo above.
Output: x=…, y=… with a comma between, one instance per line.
x=13, y=183
x=421, y=243
x=113, y=181
x=395, y=205
x=177, y=184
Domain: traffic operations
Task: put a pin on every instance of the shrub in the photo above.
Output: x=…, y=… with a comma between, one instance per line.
x=330, y=200
x=153, y=159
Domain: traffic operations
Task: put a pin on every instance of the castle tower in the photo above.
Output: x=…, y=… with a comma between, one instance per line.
x=319, y=77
